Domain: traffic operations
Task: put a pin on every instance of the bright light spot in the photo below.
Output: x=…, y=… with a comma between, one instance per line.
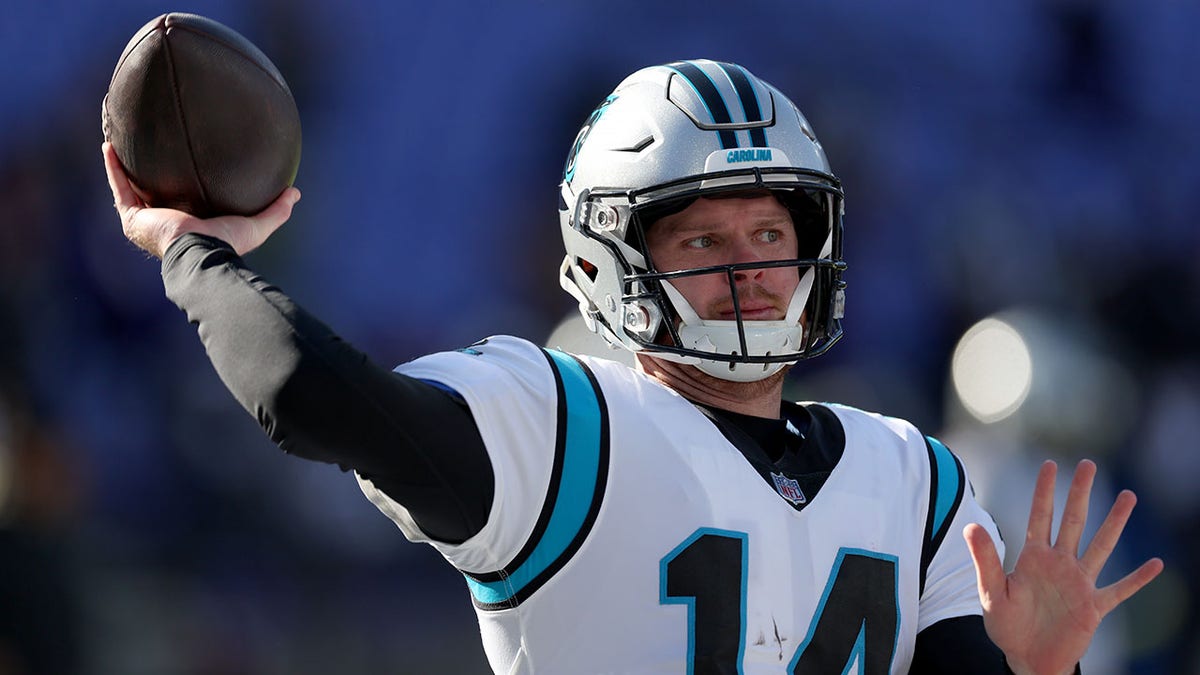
x=992, y=370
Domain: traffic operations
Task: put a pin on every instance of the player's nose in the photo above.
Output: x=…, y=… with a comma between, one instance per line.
x=745, y=253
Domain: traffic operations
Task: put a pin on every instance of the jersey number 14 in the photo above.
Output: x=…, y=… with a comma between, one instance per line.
x=707, y=573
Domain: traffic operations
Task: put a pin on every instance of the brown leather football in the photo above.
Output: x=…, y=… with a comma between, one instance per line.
x=201, y=119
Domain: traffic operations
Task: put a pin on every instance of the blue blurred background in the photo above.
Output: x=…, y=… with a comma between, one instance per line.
x=1035, y=162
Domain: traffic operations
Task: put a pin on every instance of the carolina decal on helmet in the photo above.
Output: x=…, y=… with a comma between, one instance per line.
x=711, y=97
x=760, y=155
x=569, y=171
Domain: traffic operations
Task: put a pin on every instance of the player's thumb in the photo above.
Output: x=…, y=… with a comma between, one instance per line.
x=264, y=223
x=989, y=570
x=278, y=212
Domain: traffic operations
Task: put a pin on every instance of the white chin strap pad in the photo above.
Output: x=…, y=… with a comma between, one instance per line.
x=763, y=338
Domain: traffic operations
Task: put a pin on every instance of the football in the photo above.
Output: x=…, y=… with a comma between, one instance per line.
x=200, y=118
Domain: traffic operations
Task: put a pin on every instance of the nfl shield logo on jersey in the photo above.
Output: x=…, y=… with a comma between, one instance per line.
x=788, y=488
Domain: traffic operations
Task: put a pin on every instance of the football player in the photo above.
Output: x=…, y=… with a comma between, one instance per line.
x=676, y=517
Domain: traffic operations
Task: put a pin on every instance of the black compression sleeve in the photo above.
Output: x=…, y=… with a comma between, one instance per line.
x=959, y=645
x=320, y=398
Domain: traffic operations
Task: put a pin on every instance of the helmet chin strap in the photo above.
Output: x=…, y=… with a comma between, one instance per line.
x=763, y=338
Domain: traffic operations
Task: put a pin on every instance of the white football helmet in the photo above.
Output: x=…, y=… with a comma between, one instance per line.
x=666, y=136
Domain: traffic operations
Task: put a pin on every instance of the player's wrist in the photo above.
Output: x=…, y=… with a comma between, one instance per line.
x=189, y=240
x=1018, y=668
x=160, y=239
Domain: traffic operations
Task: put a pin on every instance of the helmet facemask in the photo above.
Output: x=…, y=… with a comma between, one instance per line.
x=740, y=349
x=656, y=318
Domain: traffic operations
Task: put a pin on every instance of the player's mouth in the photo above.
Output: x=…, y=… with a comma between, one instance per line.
x=757, y=304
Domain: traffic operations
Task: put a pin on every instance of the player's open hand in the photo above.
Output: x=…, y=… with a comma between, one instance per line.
x=1044, y=614
x=153, y=229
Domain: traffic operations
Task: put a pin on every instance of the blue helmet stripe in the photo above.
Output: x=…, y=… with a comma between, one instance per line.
x=711, y=97
x=749, y=100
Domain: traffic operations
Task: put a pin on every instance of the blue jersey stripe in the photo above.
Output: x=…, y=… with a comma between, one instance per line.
x=580, y=487
x=443, y=386
x=947, y=484
x=948, y=487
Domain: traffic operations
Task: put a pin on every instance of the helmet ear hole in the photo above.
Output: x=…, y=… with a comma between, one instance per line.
x=588, y=268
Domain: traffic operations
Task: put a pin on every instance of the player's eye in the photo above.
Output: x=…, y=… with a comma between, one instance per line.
x=769, y=236
x=699, y=242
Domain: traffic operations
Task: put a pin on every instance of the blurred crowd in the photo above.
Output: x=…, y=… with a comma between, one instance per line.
x=1035, y=159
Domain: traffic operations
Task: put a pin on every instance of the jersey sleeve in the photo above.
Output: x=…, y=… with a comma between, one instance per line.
x=948, y=587
x=509, y=386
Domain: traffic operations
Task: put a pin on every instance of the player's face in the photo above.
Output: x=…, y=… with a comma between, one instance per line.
x=725, y=231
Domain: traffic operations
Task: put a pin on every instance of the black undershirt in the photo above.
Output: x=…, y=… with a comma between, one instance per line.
x=803, y=445
x=319, y=398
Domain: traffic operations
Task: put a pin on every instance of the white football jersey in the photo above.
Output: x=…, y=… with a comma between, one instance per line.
x=627, y=535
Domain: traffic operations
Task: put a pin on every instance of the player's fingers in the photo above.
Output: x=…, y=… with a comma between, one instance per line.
x=1041, y=511
x=1102, y=545
x=1074, y=516
x=989, y=571
x=124, y=197
x=1110, y=596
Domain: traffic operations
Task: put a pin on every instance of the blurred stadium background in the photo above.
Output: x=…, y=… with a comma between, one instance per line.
x=1022, y=198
